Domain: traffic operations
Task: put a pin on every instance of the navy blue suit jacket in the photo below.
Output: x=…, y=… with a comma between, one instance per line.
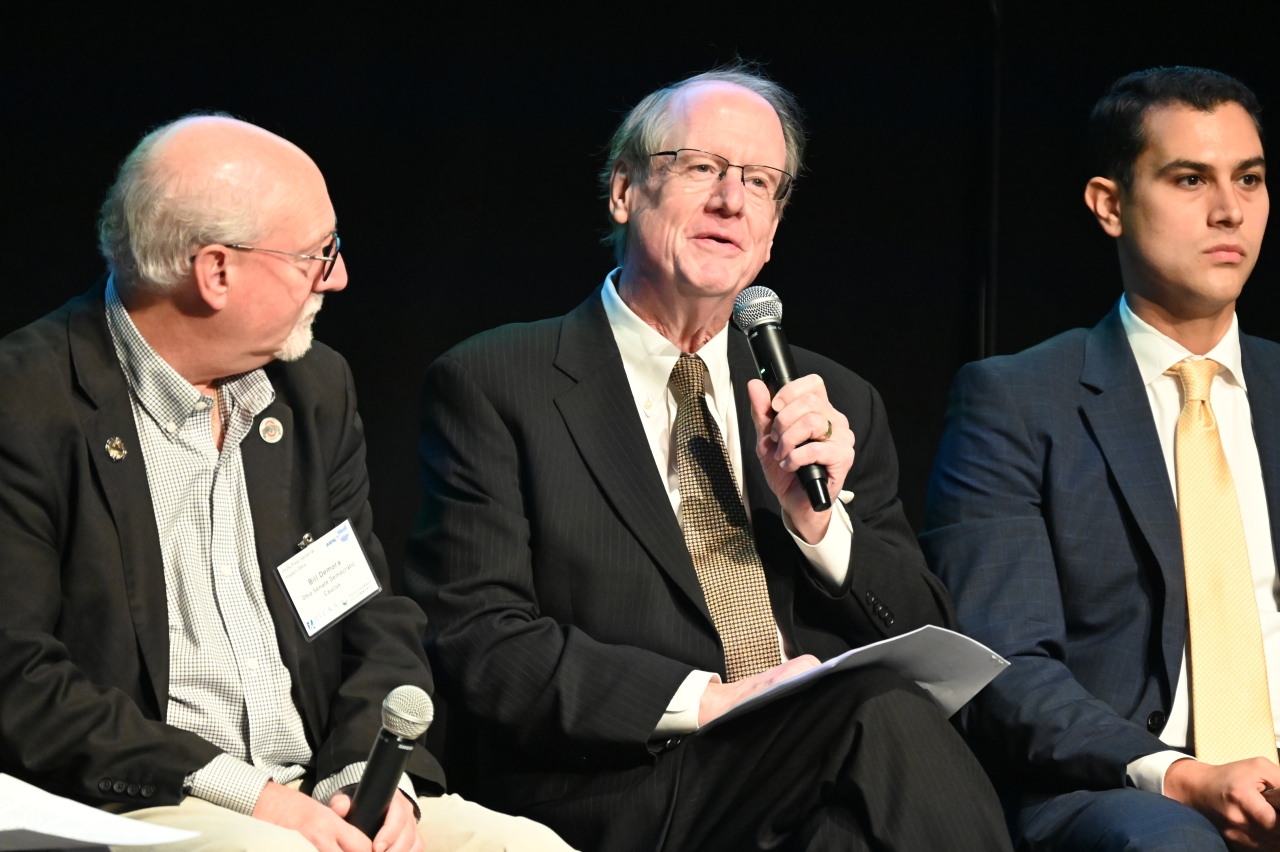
x=1052, y=522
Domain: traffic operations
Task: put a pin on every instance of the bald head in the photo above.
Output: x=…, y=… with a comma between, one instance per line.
x=199, y=181
x=741, y=116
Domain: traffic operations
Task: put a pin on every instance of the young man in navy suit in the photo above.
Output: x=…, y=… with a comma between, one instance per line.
x=1054, y=509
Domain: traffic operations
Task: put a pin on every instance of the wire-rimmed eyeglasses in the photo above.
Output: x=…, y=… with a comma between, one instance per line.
x=328, y=254
x=703, y=167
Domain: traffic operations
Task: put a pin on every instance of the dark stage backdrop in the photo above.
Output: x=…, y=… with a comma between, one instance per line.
x=461, y=150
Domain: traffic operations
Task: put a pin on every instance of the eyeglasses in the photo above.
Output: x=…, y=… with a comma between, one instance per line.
x=705, y=168
x=328, y=254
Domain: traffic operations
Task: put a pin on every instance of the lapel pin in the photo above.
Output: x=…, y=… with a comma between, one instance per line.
x=271, y=430
x=116, y=450
x=306, y=542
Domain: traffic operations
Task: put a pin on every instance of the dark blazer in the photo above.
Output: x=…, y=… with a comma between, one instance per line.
x=84, y=636
x=1052, y=521
x=564, y=607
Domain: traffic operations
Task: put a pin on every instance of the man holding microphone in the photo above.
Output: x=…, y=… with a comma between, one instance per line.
x=614, y=549
x=168, y=442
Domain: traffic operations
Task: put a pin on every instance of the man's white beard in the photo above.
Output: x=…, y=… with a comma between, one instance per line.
x=298, y=343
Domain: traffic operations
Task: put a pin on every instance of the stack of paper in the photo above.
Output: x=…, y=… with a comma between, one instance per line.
x=950, y=667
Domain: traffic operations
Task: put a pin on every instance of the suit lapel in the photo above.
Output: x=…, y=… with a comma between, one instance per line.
x=124, y=483
x=1119, y=416
x=268, y=473
x=1264, y=406
x=601, y=417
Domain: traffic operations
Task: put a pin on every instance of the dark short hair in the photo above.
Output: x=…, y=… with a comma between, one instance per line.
x=1117, y=126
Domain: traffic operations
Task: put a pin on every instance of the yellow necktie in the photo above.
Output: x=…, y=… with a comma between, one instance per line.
x=1230, y=697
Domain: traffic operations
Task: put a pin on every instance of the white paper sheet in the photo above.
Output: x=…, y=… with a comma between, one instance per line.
x=950, y=667
x=30, y=818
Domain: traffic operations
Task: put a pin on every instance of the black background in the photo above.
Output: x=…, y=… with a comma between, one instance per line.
x=461, y=148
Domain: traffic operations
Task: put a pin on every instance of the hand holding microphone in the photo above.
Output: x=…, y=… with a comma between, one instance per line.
x=406, y=714
x=805, y=445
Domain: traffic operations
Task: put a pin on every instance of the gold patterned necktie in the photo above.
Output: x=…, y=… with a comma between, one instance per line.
x=1230, y=697
x=718, y=533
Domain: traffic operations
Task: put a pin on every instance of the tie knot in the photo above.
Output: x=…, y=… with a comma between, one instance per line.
x=1196, y=377
x=687, y=375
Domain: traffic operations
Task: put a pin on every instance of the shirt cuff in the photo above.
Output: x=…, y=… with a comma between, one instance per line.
x=829, y=557
x=228, y=783
x=1147, y=772
x=351, y=775
x=681, y=716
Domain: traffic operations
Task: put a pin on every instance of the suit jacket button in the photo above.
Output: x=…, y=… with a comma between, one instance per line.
x=673, y=742
x=148, y=791
x=104, y=785
x=871, y=599
x=888, y=618
x=133, y=789
x=1155, y=722
x=120, y=786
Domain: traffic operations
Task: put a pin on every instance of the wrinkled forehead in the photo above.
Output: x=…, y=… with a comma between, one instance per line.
x=728, y=120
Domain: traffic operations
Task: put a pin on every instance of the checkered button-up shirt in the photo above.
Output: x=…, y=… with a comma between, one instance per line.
x=227, y=681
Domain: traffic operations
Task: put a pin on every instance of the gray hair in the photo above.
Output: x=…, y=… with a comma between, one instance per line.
x=154, y=218
x=647, y=125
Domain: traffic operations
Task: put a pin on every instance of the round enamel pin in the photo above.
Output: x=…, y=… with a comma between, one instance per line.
x=271, y=430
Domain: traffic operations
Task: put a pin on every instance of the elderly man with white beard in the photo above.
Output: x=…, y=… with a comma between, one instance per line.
x=168, y=442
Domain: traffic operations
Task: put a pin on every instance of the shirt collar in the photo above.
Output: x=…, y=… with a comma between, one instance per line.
x=165, y=394
x=1156, y=352
x=650, y=357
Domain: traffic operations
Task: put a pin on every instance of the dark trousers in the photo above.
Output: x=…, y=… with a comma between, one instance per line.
x=863, y=760
x=1125, y=820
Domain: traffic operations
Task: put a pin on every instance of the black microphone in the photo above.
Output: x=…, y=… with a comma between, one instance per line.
x=758, y=312
x=406, y=713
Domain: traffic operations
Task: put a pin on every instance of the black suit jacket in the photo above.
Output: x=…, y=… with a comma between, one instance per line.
x=84, y=641
x=1052, y=521
x=564, y=603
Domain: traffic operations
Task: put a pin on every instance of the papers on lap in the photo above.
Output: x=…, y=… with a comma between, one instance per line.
x=30, y=818
x=950, y=667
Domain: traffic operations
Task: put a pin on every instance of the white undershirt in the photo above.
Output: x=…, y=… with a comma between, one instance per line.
x=1229, y=397
x=648, y=359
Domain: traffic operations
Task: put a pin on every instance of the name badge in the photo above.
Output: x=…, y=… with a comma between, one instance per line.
x=328, y=580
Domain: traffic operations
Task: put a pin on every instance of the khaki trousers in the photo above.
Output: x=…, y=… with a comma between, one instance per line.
x=449, y=824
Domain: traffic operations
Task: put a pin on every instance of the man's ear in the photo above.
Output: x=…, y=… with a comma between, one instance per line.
x=620, y=186
x=210, y=271
x=1102, y=196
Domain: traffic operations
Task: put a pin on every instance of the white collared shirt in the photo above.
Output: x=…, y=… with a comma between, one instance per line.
x=648, y=358
x=1229, y=396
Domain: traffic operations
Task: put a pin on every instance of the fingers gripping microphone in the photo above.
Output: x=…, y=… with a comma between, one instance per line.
x=758, y=312
x=406, y=713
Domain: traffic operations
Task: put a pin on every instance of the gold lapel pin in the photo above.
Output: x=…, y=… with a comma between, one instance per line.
x=116, y=450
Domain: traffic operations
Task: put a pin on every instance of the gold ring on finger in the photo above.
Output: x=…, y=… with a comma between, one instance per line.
x=827, y=435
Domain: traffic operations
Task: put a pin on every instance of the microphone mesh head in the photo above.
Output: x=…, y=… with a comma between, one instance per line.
x=406, y=712
x=755, y=305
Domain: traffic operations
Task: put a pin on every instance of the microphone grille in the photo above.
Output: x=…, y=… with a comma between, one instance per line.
x=406, y=712
x=755, y=305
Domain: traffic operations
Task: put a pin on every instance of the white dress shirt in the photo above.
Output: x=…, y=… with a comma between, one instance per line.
x=1229, y=397
x=648, y=359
